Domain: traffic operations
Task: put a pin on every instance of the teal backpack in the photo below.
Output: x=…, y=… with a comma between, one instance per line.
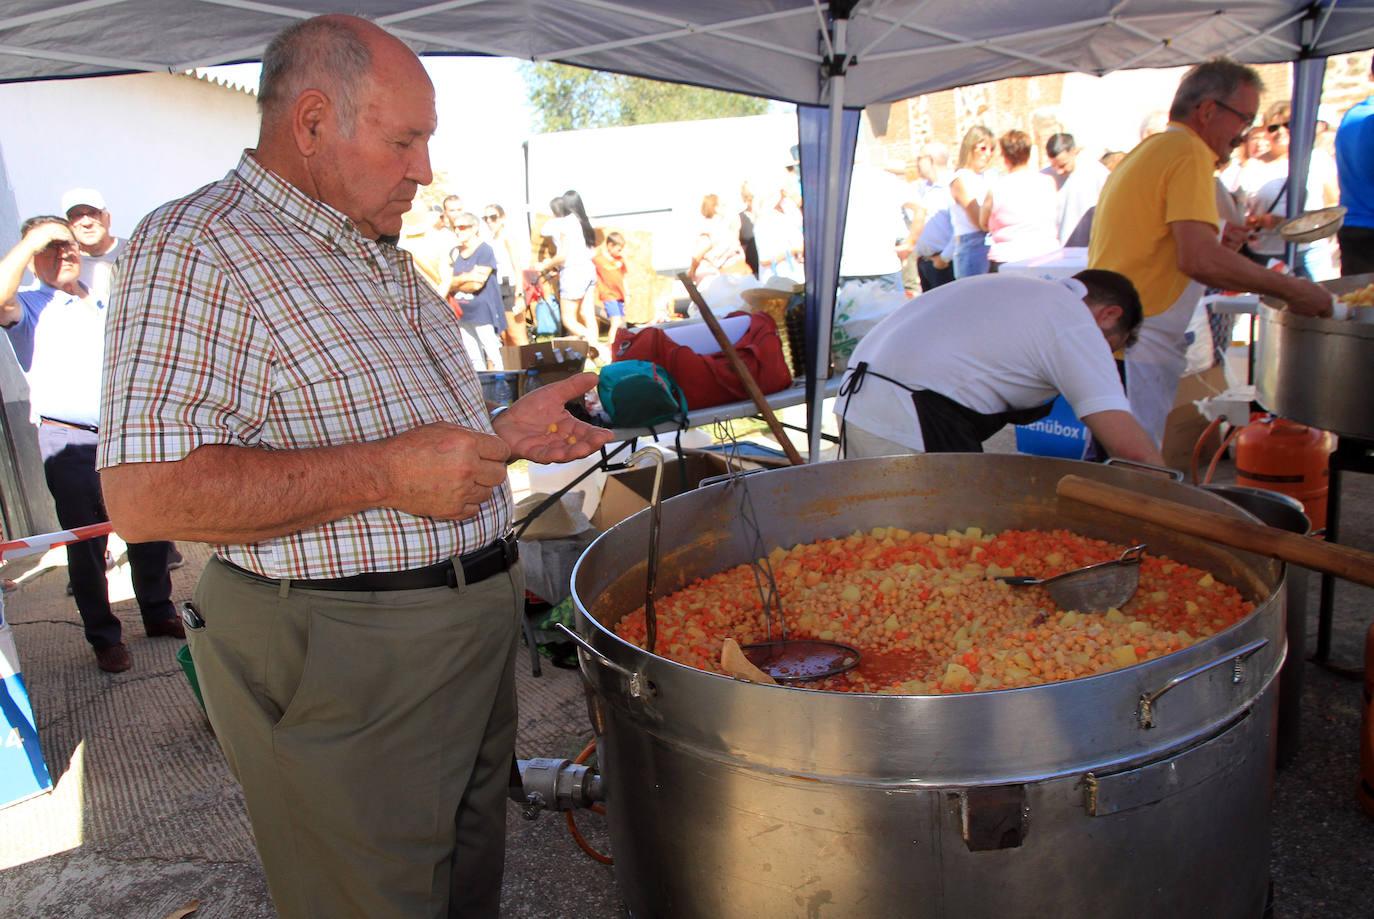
x=640, y=394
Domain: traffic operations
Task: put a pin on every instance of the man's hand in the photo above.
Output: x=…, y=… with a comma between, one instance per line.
x=538, y=427
x=1233, y=237
x=16, y=262
x=440, y=470
x=41, y=236
x=1308, y=299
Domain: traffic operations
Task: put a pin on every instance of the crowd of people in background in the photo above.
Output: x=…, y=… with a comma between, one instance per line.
x=997, y=199
x=996, y=207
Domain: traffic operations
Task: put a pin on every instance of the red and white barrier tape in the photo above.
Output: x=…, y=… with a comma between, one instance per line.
x=32, y=545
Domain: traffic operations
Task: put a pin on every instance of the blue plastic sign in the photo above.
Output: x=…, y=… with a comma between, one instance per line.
x=23, y=773
x=1059, y=434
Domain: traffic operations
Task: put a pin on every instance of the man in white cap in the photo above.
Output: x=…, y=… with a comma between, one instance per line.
x=67, y=355
x=85, y=211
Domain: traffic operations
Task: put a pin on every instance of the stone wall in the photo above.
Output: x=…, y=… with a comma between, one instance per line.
x=1032, y=104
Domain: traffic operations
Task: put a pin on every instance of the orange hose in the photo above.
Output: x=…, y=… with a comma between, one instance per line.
x=1197, y=447
x=1221, y=451
x=583, y=844
x=595, y=808
x=582, y=758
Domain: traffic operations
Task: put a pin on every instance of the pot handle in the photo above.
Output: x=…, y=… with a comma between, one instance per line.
x=1145, y=711
x=727, y=476
x=638, y=686
x=1164, y=471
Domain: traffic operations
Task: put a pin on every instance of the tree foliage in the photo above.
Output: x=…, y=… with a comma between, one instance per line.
x=568, y=98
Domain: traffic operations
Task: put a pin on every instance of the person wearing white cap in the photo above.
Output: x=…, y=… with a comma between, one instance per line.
x=67, y=355
x=90, y=222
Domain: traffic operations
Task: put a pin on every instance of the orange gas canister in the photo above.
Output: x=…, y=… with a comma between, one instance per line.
x=1287, y=457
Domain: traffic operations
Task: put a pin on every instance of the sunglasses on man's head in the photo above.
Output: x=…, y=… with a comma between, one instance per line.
x=1274, y=128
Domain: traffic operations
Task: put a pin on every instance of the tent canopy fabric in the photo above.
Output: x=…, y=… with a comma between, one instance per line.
x=773, y=48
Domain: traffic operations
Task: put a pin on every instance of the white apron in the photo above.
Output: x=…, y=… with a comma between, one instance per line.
x=1156, y=361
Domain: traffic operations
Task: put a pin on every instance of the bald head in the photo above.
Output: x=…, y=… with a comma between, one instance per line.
x=332, y=54
x=325, y=54
x=347, y=113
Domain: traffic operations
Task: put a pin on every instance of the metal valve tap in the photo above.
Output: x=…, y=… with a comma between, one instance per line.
x=554, y=784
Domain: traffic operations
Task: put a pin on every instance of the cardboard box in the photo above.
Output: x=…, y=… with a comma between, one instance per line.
x=545, y=362
x=1186, y=424
x=628, y=491
x=545, y=355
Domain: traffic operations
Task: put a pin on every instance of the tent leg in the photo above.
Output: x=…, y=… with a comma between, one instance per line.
x=828, y=270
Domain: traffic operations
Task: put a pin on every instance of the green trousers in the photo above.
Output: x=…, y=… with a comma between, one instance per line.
x=372, y=734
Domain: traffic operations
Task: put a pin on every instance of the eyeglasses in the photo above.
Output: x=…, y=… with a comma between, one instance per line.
x=491, y=218
x=1245, y=119
x=1275, y=128
x=59, y=246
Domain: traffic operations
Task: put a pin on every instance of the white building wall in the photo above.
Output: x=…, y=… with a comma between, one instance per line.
x=653, y=176
x=1092, y=110
x=140, y=139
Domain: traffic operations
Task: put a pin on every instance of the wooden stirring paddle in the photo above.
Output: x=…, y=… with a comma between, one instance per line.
x=1326, y=557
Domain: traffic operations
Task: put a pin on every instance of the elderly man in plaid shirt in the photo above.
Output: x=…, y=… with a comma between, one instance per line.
x=281, y=383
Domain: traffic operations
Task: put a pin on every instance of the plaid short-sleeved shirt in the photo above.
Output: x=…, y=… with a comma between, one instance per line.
x=252, y=315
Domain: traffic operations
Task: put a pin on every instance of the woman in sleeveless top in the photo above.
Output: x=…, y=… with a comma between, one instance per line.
x=967, y=191
x=1020, y=208
x=574, y=239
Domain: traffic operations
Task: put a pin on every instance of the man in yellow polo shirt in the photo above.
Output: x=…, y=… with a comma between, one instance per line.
x=1156, y=223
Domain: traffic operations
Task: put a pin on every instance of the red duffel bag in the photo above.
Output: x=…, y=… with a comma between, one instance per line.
x=708, y=379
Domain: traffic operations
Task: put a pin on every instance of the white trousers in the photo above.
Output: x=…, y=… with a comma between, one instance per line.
x=1156, y=361
x=482, y=343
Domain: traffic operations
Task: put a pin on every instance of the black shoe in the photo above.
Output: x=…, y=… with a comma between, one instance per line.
x=174, y=558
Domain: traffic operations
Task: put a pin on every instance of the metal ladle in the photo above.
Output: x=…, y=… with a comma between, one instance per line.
x=1092, y=588
x=786, y=660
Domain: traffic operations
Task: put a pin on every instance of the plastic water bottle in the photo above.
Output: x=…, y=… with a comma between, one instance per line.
x=500, y=391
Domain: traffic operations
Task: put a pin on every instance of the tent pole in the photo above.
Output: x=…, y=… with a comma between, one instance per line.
x=1308, y=74
x=828, y=270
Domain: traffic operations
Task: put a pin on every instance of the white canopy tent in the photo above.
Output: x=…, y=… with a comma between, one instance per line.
x=832, y=59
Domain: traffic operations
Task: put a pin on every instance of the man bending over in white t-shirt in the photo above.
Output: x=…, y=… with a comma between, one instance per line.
x=957, y=364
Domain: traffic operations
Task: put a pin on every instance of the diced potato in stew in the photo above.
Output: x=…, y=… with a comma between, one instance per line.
x=929, y=616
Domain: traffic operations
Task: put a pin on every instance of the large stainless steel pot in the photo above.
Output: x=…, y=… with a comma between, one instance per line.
x=1318, y=371
x=1139, y=792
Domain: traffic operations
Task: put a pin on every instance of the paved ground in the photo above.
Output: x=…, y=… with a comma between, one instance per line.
x=145, y=818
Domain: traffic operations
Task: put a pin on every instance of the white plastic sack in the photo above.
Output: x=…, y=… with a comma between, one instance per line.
x=859, y=307
x=722, y=293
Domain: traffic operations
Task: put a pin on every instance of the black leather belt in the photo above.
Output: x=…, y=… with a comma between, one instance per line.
x=477, y=566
